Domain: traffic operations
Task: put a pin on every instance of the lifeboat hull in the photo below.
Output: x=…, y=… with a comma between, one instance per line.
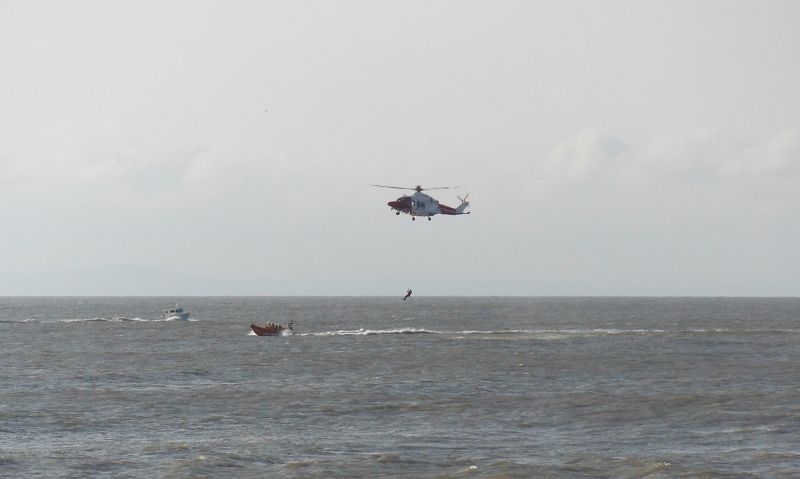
x=274, y=331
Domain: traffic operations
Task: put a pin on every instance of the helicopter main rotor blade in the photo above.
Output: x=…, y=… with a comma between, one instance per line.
x=416, y=188
x=393, y=187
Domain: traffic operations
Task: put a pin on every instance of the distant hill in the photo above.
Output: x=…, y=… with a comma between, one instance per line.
x=136, y=281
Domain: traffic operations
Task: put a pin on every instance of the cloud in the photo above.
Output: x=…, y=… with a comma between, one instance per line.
x=589, y=156
x=720, y=185
x=85, y=163
x=703, y=156
x=714, y=156
x=80, y=160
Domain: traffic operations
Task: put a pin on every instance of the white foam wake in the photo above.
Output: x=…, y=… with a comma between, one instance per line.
x=89, y=320
x=371, y=332
x=545, y=334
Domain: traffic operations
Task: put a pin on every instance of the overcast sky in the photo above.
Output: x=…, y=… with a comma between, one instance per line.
x=621, y=148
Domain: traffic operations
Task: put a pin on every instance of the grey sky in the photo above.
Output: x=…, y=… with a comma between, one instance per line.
x=608, y=147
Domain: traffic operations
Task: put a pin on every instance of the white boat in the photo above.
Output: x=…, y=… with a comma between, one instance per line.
x=176, y=313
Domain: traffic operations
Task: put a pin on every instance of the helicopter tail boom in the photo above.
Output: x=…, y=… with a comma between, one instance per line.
x=449, y=210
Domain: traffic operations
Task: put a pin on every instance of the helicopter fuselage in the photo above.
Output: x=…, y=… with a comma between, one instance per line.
x=420, y=204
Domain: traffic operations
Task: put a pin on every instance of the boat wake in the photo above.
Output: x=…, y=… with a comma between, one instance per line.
x=550, y=334
x=370, y=332
x=118, y=319
x=285, y=332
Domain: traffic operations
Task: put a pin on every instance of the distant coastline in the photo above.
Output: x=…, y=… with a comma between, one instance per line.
x=138, y=281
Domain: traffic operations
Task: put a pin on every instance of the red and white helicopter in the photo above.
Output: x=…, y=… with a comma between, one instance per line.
x=420, y=204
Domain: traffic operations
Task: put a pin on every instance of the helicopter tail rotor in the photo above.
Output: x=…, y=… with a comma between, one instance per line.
x=464, y=204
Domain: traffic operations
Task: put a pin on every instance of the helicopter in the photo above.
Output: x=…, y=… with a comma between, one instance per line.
x=420, y=204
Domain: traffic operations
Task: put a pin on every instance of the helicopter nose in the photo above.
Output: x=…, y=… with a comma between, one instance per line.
x=394, y=204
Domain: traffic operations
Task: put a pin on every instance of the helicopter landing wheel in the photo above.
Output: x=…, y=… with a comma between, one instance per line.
x=398, y=213
x=429, y=218
x=413, y=219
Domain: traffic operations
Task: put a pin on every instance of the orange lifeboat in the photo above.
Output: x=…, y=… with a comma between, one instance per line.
x=271, y=329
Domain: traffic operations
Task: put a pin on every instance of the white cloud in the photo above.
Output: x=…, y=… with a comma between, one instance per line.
x=703, y=156
x=715, y=156
x=84, y=163
x=591, y=155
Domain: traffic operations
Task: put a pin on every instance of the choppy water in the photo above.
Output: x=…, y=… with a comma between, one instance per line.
x=378, y=387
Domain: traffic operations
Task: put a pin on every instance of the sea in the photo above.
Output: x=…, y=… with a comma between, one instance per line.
x=378, y=387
